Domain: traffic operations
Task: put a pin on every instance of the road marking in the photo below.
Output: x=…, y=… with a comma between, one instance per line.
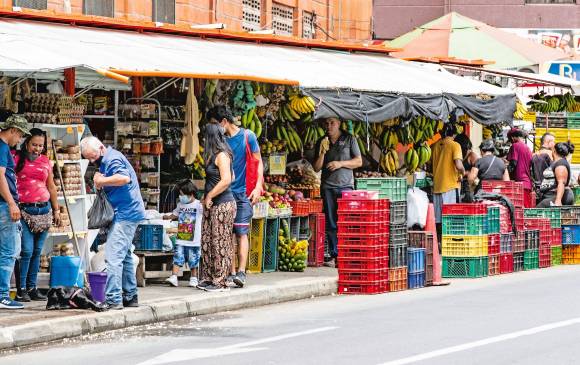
x=484, y=342
x=243, y=347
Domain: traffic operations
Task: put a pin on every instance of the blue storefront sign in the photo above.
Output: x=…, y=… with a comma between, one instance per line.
x=566, y=69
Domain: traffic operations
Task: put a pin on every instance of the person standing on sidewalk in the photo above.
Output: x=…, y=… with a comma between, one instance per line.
x=117, y=177
x=448, y=170
x=244, y=145
x=37, y=193
x=541, y=160
x=519, y=163
x=217, y=240
x=338, y=155
x=13, y=129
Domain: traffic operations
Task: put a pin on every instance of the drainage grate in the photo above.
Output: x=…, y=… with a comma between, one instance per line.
x=252, y=15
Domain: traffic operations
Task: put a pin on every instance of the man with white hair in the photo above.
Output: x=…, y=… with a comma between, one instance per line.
x=119, y=181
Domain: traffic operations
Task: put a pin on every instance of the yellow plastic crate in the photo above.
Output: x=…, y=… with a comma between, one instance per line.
x=464, y=246
x=257, y=229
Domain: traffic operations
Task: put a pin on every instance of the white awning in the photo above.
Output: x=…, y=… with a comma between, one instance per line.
x=31, y=46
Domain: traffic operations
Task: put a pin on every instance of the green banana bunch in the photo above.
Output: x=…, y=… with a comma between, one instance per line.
x=411, y=160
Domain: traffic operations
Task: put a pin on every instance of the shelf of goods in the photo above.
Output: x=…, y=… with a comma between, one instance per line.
x=137, y=134
x=62, y=120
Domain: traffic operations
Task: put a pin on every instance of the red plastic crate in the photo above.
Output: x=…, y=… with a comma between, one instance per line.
x=556, y=237
x=519, y=242
x=348, y=206
x=493, y=265
x=300, y=208
x=363, y=228
x=361, y=251
x=506, y=263
x=541, y=224
x=512, y=190
x=360, y=195
x=465, y=209
x=359, y=263
x=367, y=240
x=519, y=214
x=363, y=275
x=354, y=217
x=315, y=206
x=545, y=256
x=317, y=224
x=355, y=287
x=493, y=244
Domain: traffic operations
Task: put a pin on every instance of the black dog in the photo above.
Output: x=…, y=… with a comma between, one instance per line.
x=62, y=297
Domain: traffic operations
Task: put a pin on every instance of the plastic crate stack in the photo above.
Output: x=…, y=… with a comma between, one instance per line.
x=422, y=240
x=317, y=237
x=570, y=218
x=571, y=244
x=400, y=275
x=363, y=243
x=465, y=240
x=510, y=259
x=555, y=218
x=542, y=225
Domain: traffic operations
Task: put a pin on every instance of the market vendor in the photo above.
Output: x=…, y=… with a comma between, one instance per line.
x=448, y=170
x=520, y=160
x=489, y=166
x=555, y=186
x=338, y=155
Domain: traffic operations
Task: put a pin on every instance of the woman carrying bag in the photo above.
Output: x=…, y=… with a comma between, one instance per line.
x=37, y=193
x=555, y=187
x=488, y=167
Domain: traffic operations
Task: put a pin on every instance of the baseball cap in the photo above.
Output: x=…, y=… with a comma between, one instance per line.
x=18, y=122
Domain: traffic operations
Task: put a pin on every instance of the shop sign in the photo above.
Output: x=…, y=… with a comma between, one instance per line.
x=566, y=69
x=567, y=40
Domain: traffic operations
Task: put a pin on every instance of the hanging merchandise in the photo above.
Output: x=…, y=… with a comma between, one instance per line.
x=190, y=141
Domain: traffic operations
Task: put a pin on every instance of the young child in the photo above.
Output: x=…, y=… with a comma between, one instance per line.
x=188, y=213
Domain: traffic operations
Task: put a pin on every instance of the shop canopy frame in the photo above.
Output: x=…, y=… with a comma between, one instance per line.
x=361, y=86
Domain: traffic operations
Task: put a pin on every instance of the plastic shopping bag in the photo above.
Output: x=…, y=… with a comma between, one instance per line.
x=101, y=213
x=417, y=204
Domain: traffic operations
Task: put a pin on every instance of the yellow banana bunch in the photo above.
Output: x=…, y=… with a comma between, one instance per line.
x=301, y=104
x=389, y=162
x=520, y=111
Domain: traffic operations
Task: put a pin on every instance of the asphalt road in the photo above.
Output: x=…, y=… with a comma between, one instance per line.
x=523, y=318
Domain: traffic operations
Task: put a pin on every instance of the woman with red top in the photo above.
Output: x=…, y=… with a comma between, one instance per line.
x=37, y=193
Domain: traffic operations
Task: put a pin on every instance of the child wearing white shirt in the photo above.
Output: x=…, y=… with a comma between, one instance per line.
x=188, y=213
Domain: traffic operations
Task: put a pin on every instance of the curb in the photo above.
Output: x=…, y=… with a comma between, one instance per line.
x=152, y=312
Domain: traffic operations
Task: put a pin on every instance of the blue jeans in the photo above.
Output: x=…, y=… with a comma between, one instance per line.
x=329, y=201
x=189, y=254
x=9, y=248
x=244, y=214
x=121, y=280
x=32, y=243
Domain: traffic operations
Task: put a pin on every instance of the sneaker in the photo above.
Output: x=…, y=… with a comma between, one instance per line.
x=36, y=295
x=117, y=306
x=240, y=279
x=215, y=288
x=133, y=303
x=172, y=280
x=193, y=282
x=22, y=296
x=7, y=303
x=203, y=284
x=330, y=263
x=230, y=281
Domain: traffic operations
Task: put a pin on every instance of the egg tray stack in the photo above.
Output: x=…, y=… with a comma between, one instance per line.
x=72, y=179
x=64, y=222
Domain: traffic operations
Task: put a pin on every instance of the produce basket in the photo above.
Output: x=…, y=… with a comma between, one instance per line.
x=261, y=210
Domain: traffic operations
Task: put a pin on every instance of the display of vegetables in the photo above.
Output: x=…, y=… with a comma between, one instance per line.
x=292, y=254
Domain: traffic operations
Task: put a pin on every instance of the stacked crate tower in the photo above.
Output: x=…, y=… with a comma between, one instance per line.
x=423, y=240
x=539, y=241
x=548, y=222
x=571, y=236
x=512, y=243
x=363, y=243
x=465, y=240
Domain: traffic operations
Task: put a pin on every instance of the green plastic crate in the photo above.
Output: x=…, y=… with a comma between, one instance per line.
x=270, y=248
x=392, y=188
x=531, y=259
x=464, y=224
x=556, y=255
x=465, y=267
x=573, y=120
x=493, y=225
x=576, y=191
x=553, y=213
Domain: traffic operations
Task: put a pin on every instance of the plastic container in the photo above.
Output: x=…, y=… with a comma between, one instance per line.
x=260, y=210
x=360, y=195
x=398, y=279
x=506, y=242
x=571, y=235
x=66, y=271
x=363, y=275
x=392, y=188
x=465, y=209
x=362, y=251
x=518, y=261
x=512, y=190
x=494, y=244
x=363, y=228
x=148, y=237
x=416, y=280
x=531, y=259
x=571, y=255
x=506, y=263
x=358, y=287
x=545, y=256
x=360, y=263
x=270, y=245
x=398, y=235
x=157, y=146
x=316, y=206
x=464, y=224
x=316, y=245
x=464, y=246
x=556, y=255
x=465, y=267
x=300, y=208
x=553, y=213
x=397, y=256
x=363, y=205
x=398, y=213
x=532, y=239
x=145, y=146
x=257, y=230
x=98, y=282
x=415, y=259
x=493, y=265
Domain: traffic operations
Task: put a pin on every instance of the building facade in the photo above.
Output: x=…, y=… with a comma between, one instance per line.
x=393, y=18
x=344, y=20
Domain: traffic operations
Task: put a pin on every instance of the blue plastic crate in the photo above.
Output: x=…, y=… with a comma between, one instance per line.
x=148, y=237
x=415, y=259
x=571, y=234
x=416, y=280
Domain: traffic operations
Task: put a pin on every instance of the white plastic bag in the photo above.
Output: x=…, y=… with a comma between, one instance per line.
x=417, y=204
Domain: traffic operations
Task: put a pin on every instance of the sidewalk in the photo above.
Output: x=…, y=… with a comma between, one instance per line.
x=158, y=303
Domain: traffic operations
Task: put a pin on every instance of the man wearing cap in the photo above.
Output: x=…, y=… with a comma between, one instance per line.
x=520, y=160
x=12, y=131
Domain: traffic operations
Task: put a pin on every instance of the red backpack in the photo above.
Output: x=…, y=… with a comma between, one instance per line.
x=252, y=164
